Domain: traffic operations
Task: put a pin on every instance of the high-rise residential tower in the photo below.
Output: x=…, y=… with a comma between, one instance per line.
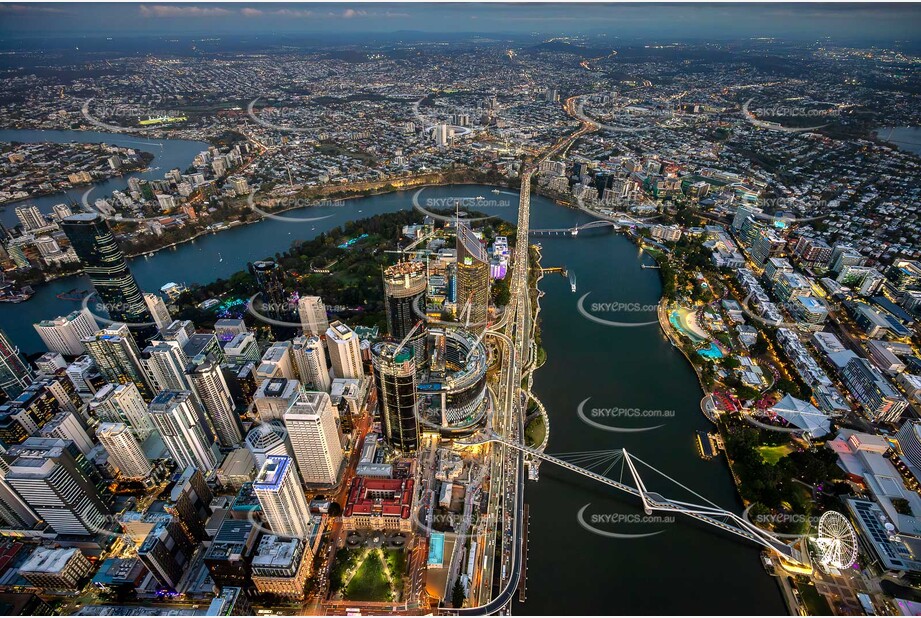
x=282, y=499
x=315, y=438
x=123, y=449
x=164, y=362
x=64, y=334
x=118, y=358
x=344, y=351
x=184, y=429
x=158, y=310
x=209, y=384
x=310, y=360
x=312, y=312
x=122, y=403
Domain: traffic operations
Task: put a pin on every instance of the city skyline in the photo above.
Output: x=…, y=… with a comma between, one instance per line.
x=393, y=308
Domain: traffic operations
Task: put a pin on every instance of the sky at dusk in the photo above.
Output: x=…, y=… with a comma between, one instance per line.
x=718, y=21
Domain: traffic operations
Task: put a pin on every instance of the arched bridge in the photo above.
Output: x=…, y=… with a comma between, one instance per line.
x=574, y=231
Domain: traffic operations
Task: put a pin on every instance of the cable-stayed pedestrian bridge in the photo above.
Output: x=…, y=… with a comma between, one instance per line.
x=707, y=511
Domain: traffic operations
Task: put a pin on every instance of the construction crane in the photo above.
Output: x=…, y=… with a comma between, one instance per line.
x=404, y=252
x=411, y=332
x=475, y=346
x=465, y=312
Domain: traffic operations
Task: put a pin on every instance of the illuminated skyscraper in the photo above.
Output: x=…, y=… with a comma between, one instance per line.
x=395, y=379
x=472, y=279
x=15, y=373
x=404, y=286
x=404, y=283
x=105, y=265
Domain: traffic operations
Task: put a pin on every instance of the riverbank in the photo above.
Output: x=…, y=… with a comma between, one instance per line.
x=539, y=358
x=381, y=188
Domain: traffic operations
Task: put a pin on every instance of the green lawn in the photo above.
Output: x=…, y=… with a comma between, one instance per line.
x=396, y=561
x=370, y=581
x=773, y=454
x=534, y=432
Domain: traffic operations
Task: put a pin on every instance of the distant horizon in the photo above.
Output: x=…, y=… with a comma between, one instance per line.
x=840, y=22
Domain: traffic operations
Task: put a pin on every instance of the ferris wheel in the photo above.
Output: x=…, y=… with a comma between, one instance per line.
x=836, y=540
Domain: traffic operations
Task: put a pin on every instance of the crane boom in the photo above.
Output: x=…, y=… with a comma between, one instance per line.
x=406, y=338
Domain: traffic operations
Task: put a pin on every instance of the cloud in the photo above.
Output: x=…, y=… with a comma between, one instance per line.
x=292, y=13
x=350, y=13
x=29, y=8
x=252, y=12
x=164, y=10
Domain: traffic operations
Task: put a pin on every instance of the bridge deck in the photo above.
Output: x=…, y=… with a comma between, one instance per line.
x=713, y=515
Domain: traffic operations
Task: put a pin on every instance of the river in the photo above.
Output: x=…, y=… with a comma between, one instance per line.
x=906, y=138
x=684, y=567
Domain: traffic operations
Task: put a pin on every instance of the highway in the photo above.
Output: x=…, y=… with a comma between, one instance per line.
x=514, y=331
